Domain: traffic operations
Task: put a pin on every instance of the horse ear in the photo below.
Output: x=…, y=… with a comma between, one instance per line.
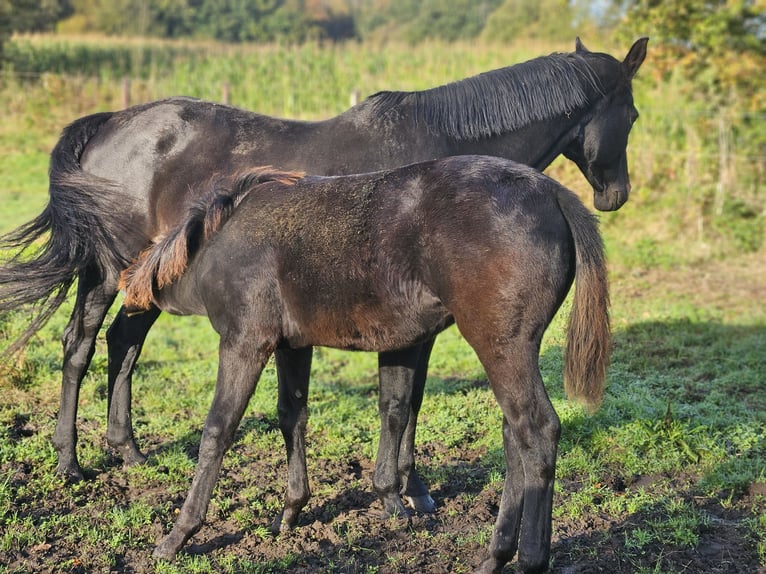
x=580, y=47
x=635, y=57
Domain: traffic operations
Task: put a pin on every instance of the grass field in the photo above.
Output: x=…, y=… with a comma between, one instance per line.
x=668, y=476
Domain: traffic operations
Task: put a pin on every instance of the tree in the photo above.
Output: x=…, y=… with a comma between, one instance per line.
x=546, y=19
x=717, y=43
x=417, y=20
x=30, y=16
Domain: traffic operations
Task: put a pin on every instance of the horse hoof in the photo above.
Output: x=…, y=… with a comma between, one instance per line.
x=423, y=503
x=131, y=457
x=70, y=473
x=165, y=551
x=398, y=513
x=489, y=566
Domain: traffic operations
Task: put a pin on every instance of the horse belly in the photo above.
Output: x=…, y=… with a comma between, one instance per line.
x=376, y=325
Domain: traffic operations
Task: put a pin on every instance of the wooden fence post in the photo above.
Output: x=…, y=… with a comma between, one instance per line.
x=125, y=92
x=226, y=93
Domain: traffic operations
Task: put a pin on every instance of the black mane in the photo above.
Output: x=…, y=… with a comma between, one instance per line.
x=501, y=100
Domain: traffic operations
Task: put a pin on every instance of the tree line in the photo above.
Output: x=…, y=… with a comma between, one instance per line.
x=739, y=24
x=718, y=43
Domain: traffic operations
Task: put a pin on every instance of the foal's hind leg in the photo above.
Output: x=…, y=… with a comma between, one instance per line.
x=293, y=371
x=531, y=431
x=94, y=297
x=125, y=338
x=404, y=369
x=240, y=365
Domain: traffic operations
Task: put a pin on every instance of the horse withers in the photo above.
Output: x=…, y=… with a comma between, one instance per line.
x=381, y=262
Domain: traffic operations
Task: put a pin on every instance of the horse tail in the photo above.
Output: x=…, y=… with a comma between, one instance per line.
x=165, y=261
x=588, y=345
x=74, y=221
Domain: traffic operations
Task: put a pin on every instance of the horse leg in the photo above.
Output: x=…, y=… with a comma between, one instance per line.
x=94, y=297
x=396, y=371
x=293, y=371
x=414, y=490
x=240, y=365
x=401, y=370
x=531, y=432
x=125, y=338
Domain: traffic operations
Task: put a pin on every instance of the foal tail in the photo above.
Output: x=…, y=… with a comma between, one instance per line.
x=588, y=344
x=167, y=258
x=75, y=221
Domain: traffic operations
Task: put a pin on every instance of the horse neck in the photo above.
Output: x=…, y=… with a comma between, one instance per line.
x=536, y=144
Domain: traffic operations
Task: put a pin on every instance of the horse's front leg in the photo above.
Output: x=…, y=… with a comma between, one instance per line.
x=94, y=297
x=125, y=338
x=293, y=372
x=531, y=431
x=413, y=489
x=396, y=370
x=240, y=366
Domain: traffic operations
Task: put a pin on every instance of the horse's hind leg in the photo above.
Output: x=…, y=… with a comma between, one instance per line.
x=125, y=338
x=240, y=364
x=293, y=371
x=395, y=369
x=94, y=297
x=531, y=431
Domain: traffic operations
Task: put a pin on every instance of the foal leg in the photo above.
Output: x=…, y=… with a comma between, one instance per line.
x=293, y=371
x=94, y=297
x=531, y=432
x=239, y=368
x=401, y=370
x=413, y=489
x=396, y=371
x=125, y=338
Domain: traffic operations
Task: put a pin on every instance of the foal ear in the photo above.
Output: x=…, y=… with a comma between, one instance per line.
x=635, y=57
x=580, y=47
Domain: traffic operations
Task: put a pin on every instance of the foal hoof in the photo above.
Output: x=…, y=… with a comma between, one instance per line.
x=423, y=503
x=279, y=525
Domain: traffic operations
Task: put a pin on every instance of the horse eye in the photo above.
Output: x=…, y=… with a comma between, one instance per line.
x=633, y=116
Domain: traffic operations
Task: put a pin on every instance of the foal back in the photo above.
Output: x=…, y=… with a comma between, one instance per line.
x=380, y=262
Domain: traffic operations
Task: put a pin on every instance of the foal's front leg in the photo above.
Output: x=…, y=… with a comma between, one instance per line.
x=240, y=365
x=293, y=372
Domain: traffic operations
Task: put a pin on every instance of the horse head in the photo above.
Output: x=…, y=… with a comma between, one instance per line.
x=599, y=147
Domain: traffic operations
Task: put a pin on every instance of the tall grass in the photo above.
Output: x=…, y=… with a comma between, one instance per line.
x=698, y=172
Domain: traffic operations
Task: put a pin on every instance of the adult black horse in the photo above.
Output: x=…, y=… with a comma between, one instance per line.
x=119, y=179
x=380, y=262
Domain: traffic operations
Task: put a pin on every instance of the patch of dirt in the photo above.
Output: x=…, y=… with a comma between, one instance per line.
x=342, y=531
x=735, y=285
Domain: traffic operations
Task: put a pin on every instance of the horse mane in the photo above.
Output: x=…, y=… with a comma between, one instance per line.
x=501, y=100
x=163, y=262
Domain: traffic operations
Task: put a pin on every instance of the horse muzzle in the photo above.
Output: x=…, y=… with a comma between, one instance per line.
x=611, y=198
